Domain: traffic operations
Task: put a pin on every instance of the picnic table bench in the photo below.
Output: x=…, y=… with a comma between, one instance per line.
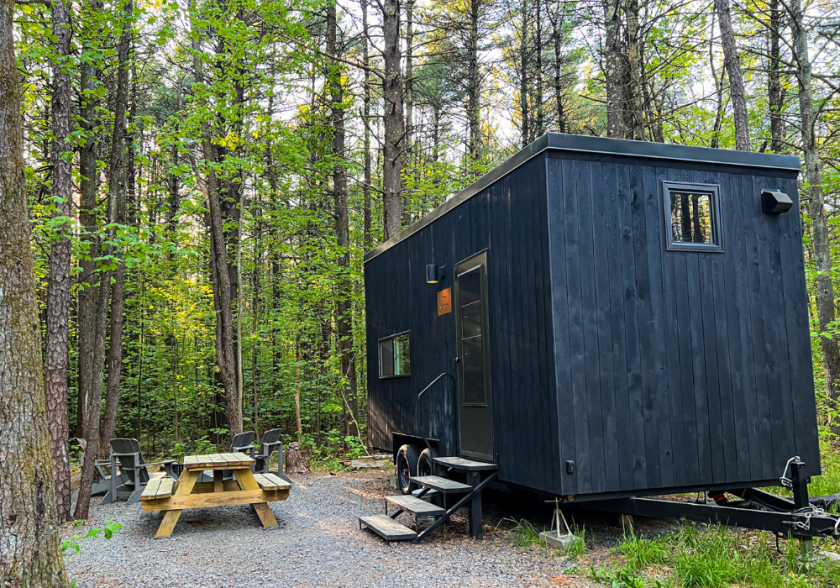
x=172, y=497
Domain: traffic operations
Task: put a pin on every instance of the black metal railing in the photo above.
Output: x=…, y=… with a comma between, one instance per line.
x=424, y=427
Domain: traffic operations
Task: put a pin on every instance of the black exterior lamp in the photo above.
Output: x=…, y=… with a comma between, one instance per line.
x=434, y=274
x=775, y=202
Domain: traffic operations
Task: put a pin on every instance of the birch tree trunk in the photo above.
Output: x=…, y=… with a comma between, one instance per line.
x=30, y=553
x=56, y=359
x=474, y=83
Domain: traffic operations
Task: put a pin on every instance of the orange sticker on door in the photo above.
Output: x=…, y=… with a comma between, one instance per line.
x=444, y=301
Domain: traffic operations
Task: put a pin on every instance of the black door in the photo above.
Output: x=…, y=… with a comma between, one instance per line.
x=474, y=394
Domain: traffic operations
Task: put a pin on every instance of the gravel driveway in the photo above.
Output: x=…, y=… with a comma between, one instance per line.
x=317, y=543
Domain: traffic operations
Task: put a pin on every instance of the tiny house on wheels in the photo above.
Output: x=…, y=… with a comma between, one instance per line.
x=596, y=321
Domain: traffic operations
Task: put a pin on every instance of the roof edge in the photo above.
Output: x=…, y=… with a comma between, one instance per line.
x=601, y=146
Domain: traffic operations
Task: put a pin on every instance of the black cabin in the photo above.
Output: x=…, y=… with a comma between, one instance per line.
x=602, y=318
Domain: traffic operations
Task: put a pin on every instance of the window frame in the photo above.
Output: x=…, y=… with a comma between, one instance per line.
x=713, y=190
x=379, y=354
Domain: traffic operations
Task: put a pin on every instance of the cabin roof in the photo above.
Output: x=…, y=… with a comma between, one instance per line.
x=599, y=146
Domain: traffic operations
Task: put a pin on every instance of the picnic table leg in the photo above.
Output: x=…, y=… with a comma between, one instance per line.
x=218, y=481
x=170, y=519
x=246, y=480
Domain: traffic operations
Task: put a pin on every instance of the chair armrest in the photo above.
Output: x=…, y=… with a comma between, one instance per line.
x=156, y=463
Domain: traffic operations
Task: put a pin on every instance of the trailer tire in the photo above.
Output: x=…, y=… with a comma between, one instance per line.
x=426, y=463
x=407, y=457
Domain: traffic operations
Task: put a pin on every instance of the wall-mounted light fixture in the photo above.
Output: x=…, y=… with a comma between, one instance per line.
x=775, y=202
x=434, y=274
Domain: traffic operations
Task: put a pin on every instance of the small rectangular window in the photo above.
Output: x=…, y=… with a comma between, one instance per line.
x=395, y=356
x=692, y=217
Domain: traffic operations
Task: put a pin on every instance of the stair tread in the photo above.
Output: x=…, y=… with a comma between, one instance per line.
x=466, y=465
x=441, y=484
x=415, y=505
x=387, y=528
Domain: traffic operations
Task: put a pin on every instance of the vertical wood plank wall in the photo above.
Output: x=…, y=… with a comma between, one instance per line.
x=510, y=220
x=674, y=369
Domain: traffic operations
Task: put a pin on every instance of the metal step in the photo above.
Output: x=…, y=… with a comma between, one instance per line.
x=387, y=528
x=414, y=505
x=466, y=465
x=441, y=484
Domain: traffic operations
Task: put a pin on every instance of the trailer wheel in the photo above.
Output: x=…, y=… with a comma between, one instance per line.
x=425, y=463
x=406, y=464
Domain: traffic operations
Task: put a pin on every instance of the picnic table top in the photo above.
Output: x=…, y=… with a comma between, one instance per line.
x=218, y=460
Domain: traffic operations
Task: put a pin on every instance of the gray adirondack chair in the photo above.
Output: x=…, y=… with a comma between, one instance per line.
x=241, y=444
x=125, y=454
x=270, y=443
x=103, y=473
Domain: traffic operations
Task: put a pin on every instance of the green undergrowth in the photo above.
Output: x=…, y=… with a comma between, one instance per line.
x=525, y=536
x=715, y=557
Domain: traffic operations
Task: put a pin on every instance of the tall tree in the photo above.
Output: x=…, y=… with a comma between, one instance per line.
x=737, y=92
x=815, y=194
x=56, y=355
x=392, y=118
x=614, y=69
x=118, y=187
x=219, y=267
x=775, y=91
x=30, y=553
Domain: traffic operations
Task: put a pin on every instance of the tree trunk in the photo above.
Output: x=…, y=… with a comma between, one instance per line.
x=737, y=93
x=474, y=84
x=633, y=90
x=614, y=70
x=344, y=294
x=816, y=205
x=393, y=119
x=539, y=118
x=56, y=364
x=408, y=160
x=557, y=39
x=30, y=553
x=368, y=220
x=775, y=94
x=118, y=191
x=525, y=124
x=88, y=277
x=219, y=269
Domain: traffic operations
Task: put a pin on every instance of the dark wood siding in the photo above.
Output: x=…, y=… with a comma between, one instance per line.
x=675, y=369
x=510, y=220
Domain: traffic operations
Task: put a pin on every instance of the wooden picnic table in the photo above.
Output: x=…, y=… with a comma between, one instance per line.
x=172, y=497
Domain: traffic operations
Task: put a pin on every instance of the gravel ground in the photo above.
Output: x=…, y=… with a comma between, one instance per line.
x=318, y=543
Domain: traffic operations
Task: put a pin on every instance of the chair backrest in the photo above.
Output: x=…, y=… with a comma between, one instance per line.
x=269, y=437
x=241, y=441
x=83, y=446
x=127, y=465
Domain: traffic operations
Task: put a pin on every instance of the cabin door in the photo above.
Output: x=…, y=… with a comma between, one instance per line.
x=474, y=394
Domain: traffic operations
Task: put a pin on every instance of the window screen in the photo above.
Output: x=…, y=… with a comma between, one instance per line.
x=395, y=356
x=692, y=217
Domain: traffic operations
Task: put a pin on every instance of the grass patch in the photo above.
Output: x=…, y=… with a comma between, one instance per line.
x=716, y=557
x=525, y=536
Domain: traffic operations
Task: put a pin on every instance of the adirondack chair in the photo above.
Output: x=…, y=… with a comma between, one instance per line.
x=125, y=454
x=270, y=443
x=241, y=444
x=103, y=471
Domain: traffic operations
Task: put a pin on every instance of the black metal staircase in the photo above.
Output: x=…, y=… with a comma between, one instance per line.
x=479, y=475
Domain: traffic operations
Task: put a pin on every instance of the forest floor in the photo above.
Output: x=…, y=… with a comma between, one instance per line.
x=318, y=543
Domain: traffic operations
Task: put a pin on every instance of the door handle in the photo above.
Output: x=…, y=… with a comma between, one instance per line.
x=457, y=359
